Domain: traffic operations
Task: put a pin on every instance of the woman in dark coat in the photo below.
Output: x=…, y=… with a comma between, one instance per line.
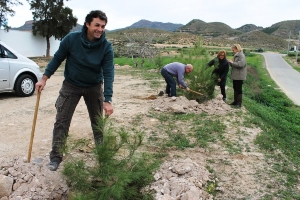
x=221, y=68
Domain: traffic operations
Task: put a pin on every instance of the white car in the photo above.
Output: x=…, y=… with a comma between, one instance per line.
x=17, y=73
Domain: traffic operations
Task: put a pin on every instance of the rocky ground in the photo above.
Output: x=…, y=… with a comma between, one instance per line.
x=182, y=175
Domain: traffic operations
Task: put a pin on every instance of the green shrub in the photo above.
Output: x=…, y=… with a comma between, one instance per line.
x=202, y=81
x=112, y=175
x=291, y=54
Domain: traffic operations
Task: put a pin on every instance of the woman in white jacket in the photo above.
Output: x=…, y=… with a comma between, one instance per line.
x=238, y=73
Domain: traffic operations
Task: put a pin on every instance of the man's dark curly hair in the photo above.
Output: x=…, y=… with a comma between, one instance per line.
x=95, y=14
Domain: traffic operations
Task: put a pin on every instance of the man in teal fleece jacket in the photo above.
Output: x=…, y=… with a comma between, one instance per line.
x=89, y=65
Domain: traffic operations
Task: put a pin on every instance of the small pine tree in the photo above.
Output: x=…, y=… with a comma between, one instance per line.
x=201, y=80
x=113, y=175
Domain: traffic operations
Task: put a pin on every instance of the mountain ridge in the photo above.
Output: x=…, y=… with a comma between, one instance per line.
x=156, y=25
x=214, y=33
x=212, y=29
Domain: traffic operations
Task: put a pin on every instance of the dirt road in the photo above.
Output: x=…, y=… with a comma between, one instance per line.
x=284, y=75
x=16, y=117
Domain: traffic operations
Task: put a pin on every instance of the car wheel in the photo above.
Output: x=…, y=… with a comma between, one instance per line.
x=25, y=85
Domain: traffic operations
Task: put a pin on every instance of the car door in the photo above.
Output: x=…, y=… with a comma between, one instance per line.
x=4, y=69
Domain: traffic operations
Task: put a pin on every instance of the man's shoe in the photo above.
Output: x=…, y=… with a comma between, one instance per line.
x=161, y=93
x=224, y=99
x=53, y=166
x=238, y=105
x=233, y=103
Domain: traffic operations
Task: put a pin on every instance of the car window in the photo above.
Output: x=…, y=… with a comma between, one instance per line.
x=8, y=54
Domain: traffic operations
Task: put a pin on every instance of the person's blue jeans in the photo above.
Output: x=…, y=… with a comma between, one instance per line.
x=171, y=83
x=69, y=96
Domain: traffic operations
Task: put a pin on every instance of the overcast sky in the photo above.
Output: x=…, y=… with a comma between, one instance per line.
x=123, y=13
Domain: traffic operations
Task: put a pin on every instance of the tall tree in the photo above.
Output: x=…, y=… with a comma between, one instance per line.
x=5, y=9
x=51, y=18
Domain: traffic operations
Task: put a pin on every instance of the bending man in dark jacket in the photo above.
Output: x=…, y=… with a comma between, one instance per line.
x=89, y=63
x=221, y=70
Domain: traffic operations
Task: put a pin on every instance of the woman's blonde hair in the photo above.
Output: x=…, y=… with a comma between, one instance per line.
x=221, y=52
x=238, y=47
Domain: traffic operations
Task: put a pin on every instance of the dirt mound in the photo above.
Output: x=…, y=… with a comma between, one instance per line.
x=181, y=179
x=31, y=180
x=182, y=105
x=177, y=179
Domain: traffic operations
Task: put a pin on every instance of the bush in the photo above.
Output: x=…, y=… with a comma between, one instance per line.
x=291, y=54
x=112, y=175
x=202, y=81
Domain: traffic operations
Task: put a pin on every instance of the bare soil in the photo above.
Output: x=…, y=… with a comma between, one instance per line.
x=239, y=176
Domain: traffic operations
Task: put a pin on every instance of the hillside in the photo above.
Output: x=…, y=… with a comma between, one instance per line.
x=283, y=29
x=156, y=25
x=249, y=27
x=214, y=33
x=219, y=29
x=213, y=29
x=157, y=36
x=260, y=39
x=250, y=40
x=28, y=27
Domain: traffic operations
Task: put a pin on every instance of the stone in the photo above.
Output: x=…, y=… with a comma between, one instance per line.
x=6, y=184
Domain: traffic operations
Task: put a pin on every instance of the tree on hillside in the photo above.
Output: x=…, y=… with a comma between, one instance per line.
x=140, y=45
x=5, y=9
x=51, y=18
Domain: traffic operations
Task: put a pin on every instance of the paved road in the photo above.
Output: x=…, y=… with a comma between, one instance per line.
x=284, y=75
